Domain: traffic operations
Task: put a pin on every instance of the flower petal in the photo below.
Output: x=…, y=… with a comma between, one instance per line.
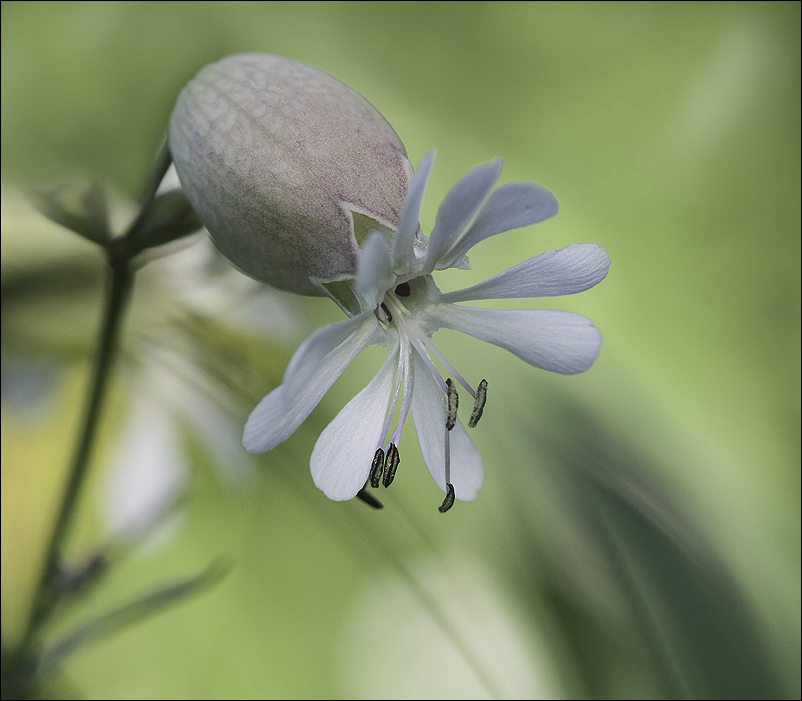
x=557, y=341
x=429, y=414
x=510, y=207
x=312, y=371
x=459, y=207
x=148, y=470
x=403, y=244
x=344, y=451
x=305, y=364
x=374, y=273
x=572, y=269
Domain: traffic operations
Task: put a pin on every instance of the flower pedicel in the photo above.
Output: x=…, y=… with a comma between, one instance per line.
x=304, y=185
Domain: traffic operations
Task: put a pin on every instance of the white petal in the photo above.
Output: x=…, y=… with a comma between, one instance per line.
x=558, y=341
x=344, y=452
x=305, y=364
x=270, y=423
x=148, y=470
x=374, y=274
x=510, y=207
x=282, y=411
x=403, y=244
x=572, y=269
x=429, y=414
x=459, y=207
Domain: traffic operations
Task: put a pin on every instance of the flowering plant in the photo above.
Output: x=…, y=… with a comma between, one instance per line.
x=399, y=306
x=305, y=186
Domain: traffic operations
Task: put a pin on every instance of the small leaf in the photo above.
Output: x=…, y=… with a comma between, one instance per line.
x=169, y=217
x=126, y=615
x=85, y=213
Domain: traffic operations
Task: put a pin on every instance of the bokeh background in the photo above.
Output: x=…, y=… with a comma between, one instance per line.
x=638, y=531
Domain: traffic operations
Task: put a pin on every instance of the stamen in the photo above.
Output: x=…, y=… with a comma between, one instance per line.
x=387, y=311
x=406, y=396
x=421, y=343
x=391, y=461
x=369, y=499
x=453, y=403
x=377, y=468
x=448, y=502
x=400, y=373
x=403, y=290
x=398, y=307
x=478, y=404
x=417, y=340
x=448, y=366
x=447, y=453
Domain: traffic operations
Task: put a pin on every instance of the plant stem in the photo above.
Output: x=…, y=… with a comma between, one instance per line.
x=160, y=168
x=119, y=286
x=20, y=667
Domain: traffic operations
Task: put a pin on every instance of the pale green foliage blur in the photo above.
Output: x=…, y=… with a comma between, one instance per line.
x=638, y=531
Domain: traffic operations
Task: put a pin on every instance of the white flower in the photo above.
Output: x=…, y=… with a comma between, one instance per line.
x=396, y=304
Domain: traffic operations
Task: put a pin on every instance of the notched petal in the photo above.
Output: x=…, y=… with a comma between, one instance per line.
x=512, y=206
x=459, y=207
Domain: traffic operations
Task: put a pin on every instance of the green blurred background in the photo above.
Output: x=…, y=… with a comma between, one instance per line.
x=638, y=531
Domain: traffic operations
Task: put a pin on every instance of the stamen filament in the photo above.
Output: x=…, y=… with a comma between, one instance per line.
x=399, y=305
x=399, y=375
x=448, y=456
x=448, y=366
x=419, y=339
x=406, y=397
x=418, y=343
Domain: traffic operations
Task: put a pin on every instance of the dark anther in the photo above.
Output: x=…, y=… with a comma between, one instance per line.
x=387, y=311
x=453, y=403
x=391, y=461
x=377, y=468
x=478, y=404
x=403, y=290
x=448, y=502
x=364, y=495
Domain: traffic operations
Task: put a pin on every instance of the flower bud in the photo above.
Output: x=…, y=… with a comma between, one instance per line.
x=283, y=164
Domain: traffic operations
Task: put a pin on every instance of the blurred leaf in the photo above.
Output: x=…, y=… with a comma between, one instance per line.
x=697, y=625
x=128, y=614
x=689, y=624
x=78, y=578
x=85, y=213
x=50, y=309
x=169, y=217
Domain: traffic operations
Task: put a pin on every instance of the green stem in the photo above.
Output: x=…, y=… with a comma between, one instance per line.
x=120, y=284
x=160, y=168
x=20, y=666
